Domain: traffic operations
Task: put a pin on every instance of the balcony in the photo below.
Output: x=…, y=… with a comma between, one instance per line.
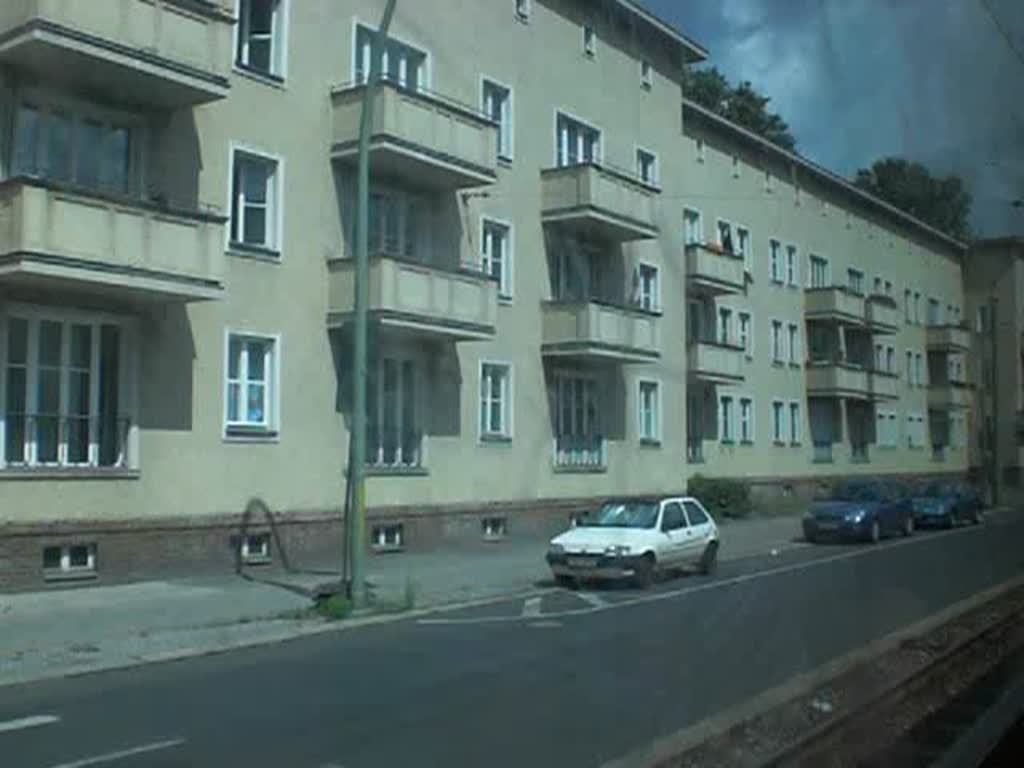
x=54, y=237
x=713, y=271
x=835, y=304
x=461, y=305
x=425, y=139
x=715, y=363
x=948, y=338
x=598, y=201
x=828, y=379
x=950, y=396
x=884, y=386
x=166, y=54
x=579, y=453
x=882, y=314
x=589, y=329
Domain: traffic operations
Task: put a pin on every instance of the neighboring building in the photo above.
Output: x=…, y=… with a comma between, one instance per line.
x=994, y=279
x=176, y=284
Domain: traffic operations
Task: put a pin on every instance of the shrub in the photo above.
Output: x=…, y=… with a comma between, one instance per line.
x=723, y=497
x=334, y=607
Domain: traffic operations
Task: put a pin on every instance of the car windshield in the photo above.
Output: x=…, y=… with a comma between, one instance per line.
x=935, y=489
x=623, y=515
x=857, y=492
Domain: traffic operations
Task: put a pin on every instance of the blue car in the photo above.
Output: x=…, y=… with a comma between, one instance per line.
x=943, y=504
x=861, y=509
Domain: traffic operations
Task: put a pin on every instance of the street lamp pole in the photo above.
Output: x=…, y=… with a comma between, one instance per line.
x=357, y=455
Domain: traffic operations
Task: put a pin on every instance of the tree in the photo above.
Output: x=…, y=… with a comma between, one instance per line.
x=741, y=104
x=944, y=203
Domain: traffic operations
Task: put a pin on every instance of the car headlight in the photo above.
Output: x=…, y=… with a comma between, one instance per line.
x=556, y=549
x=616, y=550
x=856, y=517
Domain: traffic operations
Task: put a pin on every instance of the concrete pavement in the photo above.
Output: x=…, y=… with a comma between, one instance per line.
x=574, y=680
x=53, y=633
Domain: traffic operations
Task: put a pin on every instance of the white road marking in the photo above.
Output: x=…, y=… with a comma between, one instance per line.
x=33, y=721
x=592, y=598
x=531, y=608
x=655, y=597
x=112, y=756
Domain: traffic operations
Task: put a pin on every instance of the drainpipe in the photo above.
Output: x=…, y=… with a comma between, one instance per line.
x=993, y=329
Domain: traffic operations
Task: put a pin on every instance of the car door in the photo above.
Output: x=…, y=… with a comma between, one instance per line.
x=675, y=532
x=699, y=530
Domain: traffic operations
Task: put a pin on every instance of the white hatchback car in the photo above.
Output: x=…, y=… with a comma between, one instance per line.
x=633, y=539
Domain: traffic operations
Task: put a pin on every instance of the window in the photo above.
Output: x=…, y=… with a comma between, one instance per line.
x=888, y=288
x=649, y=411
x=819, y=272
x=646, y=76
x=793, y=339
x=260, y=45
x=494, y=528
x=791, y=265
x=724, y=325
x=778, y=417
x=890, y=359
x=672, y=518
x=877, y=286
x=908, y=306
x=589, y=41
x=919, y=370
x=886, y=429
x=775, y=260
x=497, y=102
x=578, y=439
x=255, y=548
x=495, y=400
x=647, y=287
x=694, y=512
x=388, y=537
x=915, y=430
x=647, y=167
x=394, y=440
x=736, y=166
x=934, y=312
x=917, y=308
x=496, y=258
x=983, y=321
x=746, y=420
x=725, y=236
x=693, y=228
x=63, y=375
x=855, y=281
x=576, y=142
x=254, y=201
x=910, y=368
x=777, y=342
x=767, y=180
x=69, y=559
x=726, y=416
x=745, y=336
x=400, y=64
x=743, y=247
x=523, y=10
x=251, y=385
x=795, y=431
x=84, y=149
x=699, y=146
x=399, y=225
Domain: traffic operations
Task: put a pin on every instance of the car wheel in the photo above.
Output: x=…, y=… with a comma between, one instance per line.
x=875, y=532
x=811, y=537
x=978, y=517
x=908, y=526
x=566, y=582
x=709, y=560
x=644, y=571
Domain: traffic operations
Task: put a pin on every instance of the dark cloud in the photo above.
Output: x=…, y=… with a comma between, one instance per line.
x=939, y=81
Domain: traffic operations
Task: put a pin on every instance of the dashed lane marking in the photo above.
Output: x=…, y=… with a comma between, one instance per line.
x=111, y=757
x=531, y=608
x=592, y=599
x=33, y=721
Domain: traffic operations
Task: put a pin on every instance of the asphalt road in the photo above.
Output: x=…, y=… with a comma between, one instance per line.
x=570, y=679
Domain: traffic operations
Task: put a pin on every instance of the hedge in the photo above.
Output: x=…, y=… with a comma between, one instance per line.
x=722, y=497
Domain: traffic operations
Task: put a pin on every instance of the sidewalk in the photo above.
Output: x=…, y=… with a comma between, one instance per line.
x=49, y=634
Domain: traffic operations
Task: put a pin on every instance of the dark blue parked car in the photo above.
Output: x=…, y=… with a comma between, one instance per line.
x=861, y=509
x=943, y=504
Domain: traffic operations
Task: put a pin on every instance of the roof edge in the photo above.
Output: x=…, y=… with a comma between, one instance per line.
x=695, y=52
x=826, y=175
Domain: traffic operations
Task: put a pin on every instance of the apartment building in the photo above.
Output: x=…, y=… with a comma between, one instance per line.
x=577, y=287
x=994, y=285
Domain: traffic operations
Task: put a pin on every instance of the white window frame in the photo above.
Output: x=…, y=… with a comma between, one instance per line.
x=698, y=218
x=646, y=74
x=775, y=273
x=270, y=427
x=361, y=63
x=719, y=222
x=648, y=300
x=485, y=400
x=726, y=419
x=813, y=260
x=506, y=291
x=275, y=202
x=278, y=43
x=792, y=265
x=743, y=247
x=700, y=150
x=778, y=418
x=656, y=416
x=796, y=432
x=747, y=420
x=724, y=321
x=522, y=10
x=778, y=351
x=655, y=176
x=910, y=367
x=745, y=335
x=561, y=141
x=506, y=124
x=66, y=567
x=920, y=372
x=589, y=37
x=736, y=166
x=793, y=343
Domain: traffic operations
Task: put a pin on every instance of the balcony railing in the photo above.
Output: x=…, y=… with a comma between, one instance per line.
x=835, y=304
x=948, y=338
x=54, y=235
x=950, y=395
x=599, y=201
x=573, y=452
x=392, y=449
x=37, y=441
x=695, y=450
x=420, y=136
x=714, y=362
x=833, y=379
x=938, y=452
x=417, y=298
x=599, y=330
x=884, y=385
x=883, y=314
x=166, y=54
x=713, y=270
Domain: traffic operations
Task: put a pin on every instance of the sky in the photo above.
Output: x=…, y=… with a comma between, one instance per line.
x=932, y=80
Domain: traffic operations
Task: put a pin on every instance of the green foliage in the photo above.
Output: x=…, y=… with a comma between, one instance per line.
x=944, y=203
x=723, y=497
x=741, y=104
x=335, y=607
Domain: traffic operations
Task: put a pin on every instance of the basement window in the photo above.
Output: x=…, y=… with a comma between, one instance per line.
x=389, y=538
x=494, y=528
x=69, y=561
x=256, y=548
